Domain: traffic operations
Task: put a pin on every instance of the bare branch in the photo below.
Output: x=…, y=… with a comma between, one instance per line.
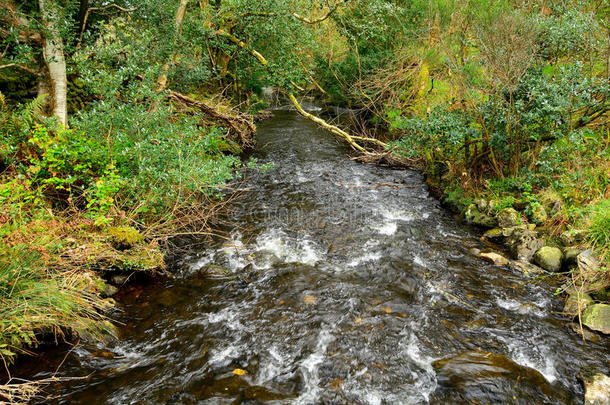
x=320, y=19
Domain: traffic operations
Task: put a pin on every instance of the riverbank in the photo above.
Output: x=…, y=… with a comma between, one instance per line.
x=544, y=235
x=82, y=212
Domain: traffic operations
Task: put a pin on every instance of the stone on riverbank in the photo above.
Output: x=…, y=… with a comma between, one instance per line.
x=508, y=217
x=576, y=303
x=587, y=262
x=525, y=267
x=597, y=390
x=494, y=234
x=494, y=258
x=549, y=258
x=597, y=317
x=523, y=243
x=479, y=218
x=539, y=215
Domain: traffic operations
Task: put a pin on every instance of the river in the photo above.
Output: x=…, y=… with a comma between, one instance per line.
x=343, y=283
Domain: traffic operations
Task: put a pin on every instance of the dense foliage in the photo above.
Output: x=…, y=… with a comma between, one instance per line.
x=129, y=116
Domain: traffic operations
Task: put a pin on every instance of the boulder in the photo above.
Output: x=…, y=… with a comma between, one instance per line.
x=586, y=261
x=494, y=234
x=523, y=244
x=494, y=258
x=508, y=217
x=597, y=390
x=597, y=317
x=549, y=258
x=473, y=215
x=576, y=303
x=539, y=215
x=484, y=220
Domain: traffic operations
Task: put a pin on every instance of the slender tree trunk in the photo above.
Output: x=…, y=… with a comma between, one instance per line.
x=180, y=15
x=82, y=14
x=53, y=53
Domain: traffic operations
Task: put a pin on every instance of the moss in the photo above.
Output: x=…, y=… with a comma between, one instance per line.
x=124, y=237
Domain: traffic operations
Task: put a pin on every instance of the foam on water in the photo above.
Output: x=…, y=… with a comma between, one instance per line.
x=309, y=369
x=289, y=250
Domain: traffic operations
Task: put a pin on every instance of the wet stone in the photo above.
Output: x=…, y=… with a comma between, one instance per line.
x=576, y=303
x=494, y=258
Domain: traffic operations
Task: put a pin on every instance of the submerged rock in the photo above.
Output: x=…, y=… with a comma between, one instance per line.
x=494, y=258
x=483, y=377
x=549, y=258
x=597, y=317
x=576, y=303
x=525, y=267
x=597, y=390
x=508, y=217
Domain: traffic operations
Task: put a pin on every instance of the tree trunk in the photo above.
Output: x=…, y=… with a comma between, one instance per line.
x=180, y=15
x=53, y=53
x=82, y=15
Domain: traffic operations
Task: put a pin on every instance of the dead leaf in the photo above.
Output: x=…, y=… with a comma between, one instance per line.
x=239, y=371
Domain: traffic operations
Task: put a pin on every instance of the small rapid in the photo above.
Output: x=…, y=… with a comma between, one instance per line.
x=339, y=283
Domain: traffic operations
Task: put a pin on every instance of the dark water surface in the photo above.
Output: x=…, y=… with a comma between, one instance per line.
x=345, y=283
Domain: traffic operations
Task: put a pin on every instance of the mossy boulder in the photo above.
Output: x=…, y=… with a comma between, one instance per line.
x=549, y=258
x=494, y=234
x=597, y=317
x=124, y=237
x=539, y=215
x=508, y=217
x=473, y=215
x=576, y=303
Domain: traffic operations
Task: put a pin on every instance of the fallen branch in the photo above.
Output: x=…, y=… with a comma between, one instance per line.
x=241, y=126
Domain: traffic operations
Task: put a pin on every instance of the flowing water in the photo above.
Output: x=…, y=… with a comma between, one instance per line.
x=341, y=283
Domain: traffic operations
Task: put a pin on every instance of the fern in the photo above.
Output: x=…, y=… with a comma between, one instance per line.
x=31, y=112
